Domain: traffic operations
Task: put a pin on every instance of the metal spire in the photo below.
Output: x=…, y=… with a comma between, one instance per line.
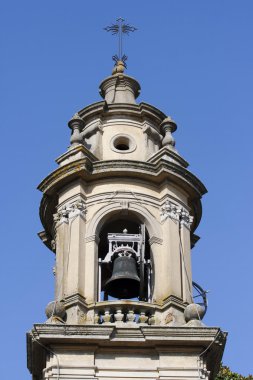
x=120, y=28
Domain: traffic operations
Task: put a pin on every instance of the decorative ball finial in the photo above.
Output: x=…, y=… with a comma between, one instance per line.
x=193, y=314
x=55, y=312
x=118, y=68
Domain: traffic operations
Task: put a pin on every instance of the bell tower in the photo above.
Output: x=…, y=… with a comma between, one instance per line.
x=119, y=214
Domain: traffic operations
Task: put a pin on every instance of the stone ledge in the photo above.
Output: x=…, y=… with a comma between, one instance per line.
x=159, y=334
x=140, y=111
x=206, y=343
x=155, y=172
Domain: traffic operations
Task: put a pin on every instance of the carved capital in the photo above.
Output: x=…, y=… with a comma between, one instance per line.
x=177, y=213
x=71, y=210
x=170, y=210
x=56, y=217
x=186, y=219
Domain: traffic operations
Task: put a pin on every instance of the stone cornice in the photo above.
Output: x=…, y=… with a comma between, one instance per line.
x=68, y=171
x=162, y=338
x=73, y=151
x=141, y=111
x=200, y=336
x=92, y=110
x=172, y=156
x=152, y=172
x=156, y=173
x=152, y=112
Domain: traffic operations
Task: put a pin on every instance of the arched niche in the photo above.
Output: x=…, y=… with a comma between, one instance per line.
x=123, y=208
x=113, y=219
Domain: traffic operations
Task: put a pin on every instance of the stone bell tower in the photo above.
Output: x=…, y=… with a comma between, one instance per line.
x=119, y=213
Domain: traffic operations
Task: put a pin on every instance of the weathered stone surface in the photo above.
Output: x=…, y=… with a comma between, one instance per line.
x=122, y=165
x=194, y=311
x=116, y=352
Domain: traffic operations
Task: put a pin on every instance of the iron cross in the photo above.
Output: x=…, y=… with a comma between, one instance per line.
x=120, y=28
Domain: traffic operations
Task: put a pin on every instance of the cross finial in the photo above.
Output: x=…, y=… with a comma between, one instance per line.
x=120, y=28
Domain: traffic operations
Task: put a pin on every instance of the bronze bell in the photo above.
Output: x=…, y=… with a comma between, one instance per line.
x=125, y=282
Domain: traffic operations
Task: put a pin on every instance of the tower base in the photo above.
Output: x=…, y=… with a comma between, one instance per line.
x=120, y=352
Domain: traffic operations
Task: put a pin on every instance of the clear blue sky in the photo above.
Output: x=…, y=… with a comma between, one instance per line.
x=194, y=60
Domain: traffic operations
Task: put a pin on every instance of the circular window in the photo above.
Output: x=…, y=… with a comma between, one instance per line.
x=123, y=144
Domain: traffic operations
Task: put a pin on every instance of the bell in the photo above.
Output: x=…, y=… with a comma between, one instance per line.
x=125, y=282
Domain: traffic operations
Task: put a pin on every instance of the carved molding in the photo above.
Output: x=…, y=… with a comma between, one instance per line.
x=155, y=240
x=94, y=238
x=152, y=224
x=175, y=212
x=124, y=204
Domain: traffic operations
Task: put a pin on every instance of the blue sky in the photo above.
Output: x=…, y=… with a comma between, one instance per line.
x=194, y=61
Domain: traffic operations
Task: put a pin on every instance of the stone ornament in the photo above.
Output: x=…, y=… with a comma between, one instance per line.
x=169, y=318
x=143, y=318
x=170, y=210
x=193, y=315
x=152, y=320
x=118, y=316
x=186, y=219
x=70, y=210
x=168, y=126
x=53, y=244
x=107, y=317
x=55, y=311
x=76, y=124
x=130, y=317
x=175, y=212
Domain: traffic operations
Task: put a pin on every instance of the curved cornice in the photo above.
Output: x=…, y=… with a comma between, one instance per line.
x=155, y=173
x=141, y=111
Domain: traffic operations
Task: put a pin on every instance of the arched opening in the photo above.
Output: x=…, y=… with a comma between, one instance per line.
x=125, y=270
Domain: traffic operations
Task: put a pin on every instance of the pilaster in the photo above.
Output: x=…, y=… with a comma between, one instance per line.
x=70, y=232
x=185, y=252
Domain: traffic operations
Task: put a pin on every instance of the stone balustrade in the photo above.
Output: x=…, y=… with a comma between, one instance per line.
x=125, y=312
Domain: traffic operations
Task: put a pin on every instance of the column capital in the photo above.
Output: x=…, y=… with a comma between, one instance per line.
x=176, y=213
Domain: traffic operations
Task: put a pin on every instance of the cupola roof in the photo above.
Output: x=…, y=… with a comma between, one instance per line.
x=119, y=88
